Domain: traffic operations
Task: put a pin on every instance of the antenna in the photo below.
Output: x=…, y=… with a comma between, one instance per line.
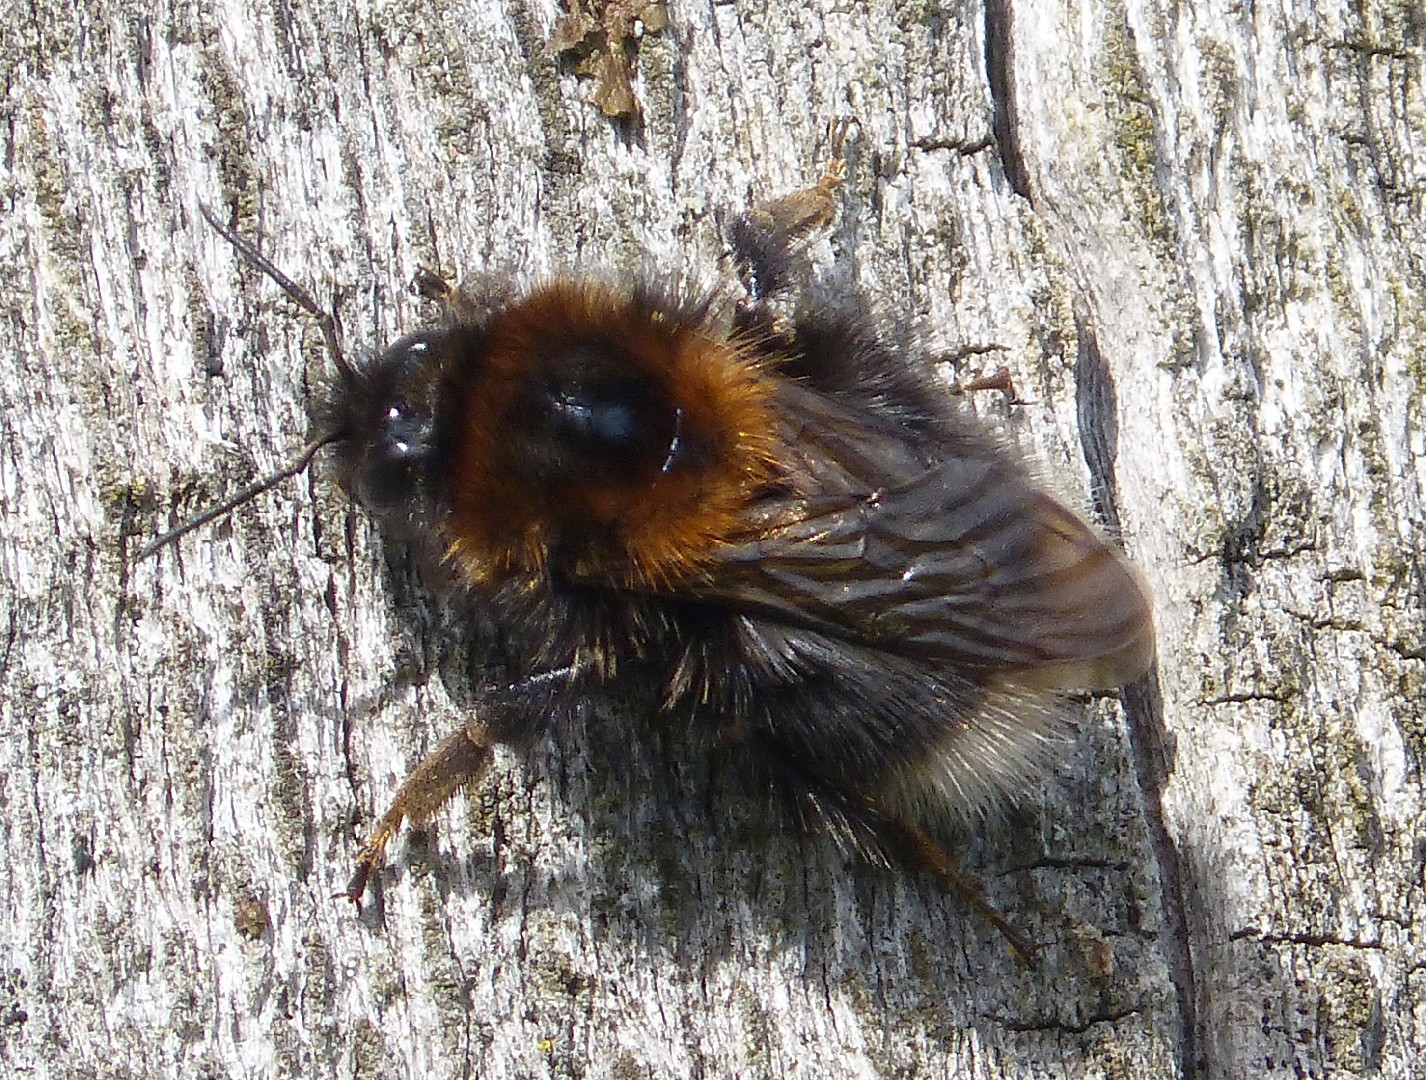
x=328, y=323
x=257, y=487
x=295, y=292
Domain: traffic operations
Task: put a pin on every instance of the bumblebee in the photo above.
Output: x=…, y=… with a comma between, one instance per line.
x=778, y=518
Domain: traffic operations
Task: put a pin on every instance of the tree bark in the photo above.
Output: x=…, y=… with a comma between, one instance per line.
x=1193, y=233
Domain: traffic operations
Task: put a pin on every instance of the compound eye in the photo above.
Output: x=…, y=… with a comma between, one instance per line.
x=395, y=462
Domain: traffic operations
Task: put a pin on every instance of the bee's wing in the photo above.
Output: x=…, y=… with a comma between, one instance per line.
x=968, y=562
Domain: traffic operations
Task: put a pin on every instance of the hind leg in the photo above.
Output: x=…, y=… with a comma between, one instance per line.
x=863, y=823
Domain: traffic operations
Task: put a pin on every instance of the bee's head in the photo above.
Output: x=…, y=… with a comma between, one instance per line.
x=386, y=415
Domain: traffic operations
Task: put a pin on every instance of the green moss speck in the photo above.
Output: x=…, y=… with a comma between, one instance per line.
x=289, y=788
x=370, y=1056
x=230, y=118
x=1130, y=113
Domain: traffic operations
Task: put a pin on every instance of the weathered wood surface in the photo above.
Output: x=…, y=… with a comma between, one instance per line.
x=1197, y=242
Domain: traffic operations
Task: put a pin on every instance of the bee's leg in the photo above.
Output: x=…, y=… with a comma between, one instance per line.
x=766, y=238
x=509, y=713
x=458, y=762
x=862, y=823
x=469, y=302
x=921, y=850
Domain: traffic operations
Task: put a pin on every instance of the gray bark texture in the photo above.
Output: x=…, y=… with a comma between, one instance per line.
x=1193, y=232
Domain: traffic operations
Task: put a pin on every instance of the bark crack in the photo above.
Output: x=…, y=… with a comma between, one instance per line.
x=1149, y=743
x=999, y=72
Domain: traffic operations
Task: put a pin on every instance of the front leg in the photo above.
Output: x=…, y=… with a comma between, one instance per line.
x=509, y=713
x=767, y=238
x=456, y=764
x=472, y=302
